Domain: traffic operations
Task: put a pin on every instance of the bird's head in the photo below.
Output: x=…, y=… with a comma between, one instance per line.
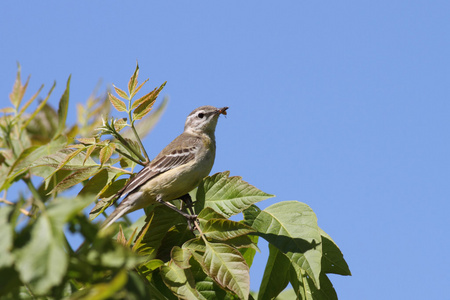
x=204, y=119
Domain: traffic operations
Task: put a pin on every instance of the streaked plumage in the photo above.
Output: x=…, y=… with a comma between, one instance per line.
x=179, y=167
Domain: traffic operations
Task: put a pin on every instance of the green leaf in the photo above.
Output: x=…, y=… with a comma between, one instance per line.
x=106, y=152
x=41, y=105
x=205, y=285
x=162, y=219
x=139, y=87
x=221, y=229
x=180, y=281
x=63, y=108
x=209, y=213
x=117, y=103
x=332, y=258
x=6, y=237
x=148, y=122
x=134, y=145
x=26, y=105
x=249, y=252
x=18, y=89
x=119, y=124
x=87, y=141
x=144, y=108
x=105, y=290
x=100, y=207
x=120, y=92
x=133, y=81
x=228, y=268
x=42, y=262
x=306, y=289
x=276, y=277
x=175, y=237
x=76, y=177
x=43, y=127
x=291, y=226
x=181, y=257
x=227, y=195
x=64, y=160
x=99, y=183
x=29, y=156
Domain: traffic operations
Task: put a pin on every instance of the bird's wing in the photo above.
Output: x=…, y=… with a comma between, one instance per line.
x=179, y=152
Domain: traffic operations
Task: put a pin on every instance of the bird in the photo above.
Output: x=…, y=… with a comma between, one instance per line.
x=177, y=169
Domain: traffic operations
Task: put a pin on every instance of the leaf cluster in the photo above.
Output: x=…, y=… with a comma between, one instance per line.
x=160, y=256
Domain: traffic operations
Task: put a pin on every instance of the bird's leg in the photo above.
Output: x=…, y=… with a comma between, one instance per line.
x=171, y=206
x=189, y=206
x=189, y=203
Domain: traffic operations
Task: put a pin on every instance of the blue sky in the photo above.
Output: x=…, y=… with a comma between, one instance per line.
x=344, y=106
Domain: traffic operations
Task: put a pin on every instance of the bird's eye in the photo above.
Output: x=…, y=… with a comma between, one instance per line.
x=201, y=115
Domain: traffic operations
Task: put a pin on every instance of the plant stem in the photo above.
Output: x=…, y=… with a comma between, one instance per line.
x=140, y=142
x=25, y=212
x=130, y=157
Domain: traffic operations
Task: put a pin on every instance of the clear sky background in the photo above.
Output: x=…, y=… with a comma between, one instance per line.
x=342, y=105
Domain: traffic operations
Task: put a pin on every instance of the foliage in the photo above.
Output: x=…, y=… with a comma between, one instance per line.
x=159, y=257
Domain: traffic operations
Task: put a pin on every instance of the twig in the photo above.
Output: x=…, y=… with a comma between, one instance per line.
x=23, y=211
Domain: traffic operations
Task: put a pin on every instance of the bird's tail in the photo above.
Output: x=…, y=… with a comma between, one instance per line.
x=120, y=211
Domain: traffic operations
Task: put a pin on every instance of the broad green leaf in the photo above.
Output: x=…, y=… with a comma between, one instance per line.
x=148, y=268
x=30, y=156
x=66, y=160
x=249, y=252
x=117, y=103
x=306, y=289
x=195, y=245
x=180, y=281
x=221, y=229
x=209, y=213
x=276, y=274
x=288, y=294
x=181, y=257
x=175, y=237
x=162, y=219
x=332, y=258
x=59, y=160
x=228, y=268
x=120, y=92
x=76, y=177
x=205, y=285
x=291, y=226
x=100, y=182
x=105, y=290
x=63, y=108
x=133, y=81
x=6, y=237
x=227, y=195
x=42, y=262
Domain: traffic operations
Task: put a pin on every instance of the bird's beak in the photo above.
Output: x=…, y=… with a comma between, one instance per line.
x=222, y=110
